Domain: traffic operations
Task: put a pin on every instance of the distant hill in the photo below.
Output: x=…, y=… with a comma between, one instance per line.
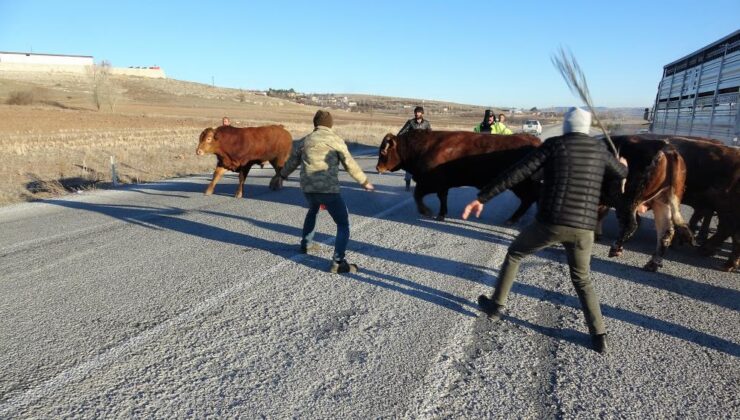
x=602, y=110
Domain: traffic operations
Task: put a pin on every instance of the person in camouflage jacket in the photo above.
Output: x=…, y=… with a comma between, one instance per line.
x=320, y=154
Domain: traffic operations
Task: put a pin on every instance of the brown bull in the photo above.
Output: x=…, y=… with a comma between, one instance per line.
x=440, y=160
x=237, y=149
x=712, y=185
x=656, y=181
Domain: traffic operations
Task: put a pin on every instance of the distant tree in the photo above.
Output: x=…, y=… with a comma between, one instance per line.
x=102, y=87
x=281, y=93
x=533, y=109
x=241, y=96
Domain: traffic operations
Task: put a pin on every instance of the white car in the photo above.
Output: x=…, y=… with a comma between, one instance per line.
x=532, y=127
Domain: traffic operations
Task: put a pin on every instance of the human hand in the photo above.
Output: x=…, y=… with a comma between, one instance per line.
x=474, y=206
x=368, y=186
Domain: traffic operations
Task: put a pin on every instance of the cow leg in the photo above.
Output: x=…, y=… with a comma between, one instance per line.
x=627, y=218
x=278, y=168
x=217, y=174
x=724, y=230
x=733, y=263
x=528, y=192
x=683, y=233
x=524, y=205
x=243, y=172
x=698, y=215
x=442, y=195
x=664, y=232
x=706, y=222
x=419, y=193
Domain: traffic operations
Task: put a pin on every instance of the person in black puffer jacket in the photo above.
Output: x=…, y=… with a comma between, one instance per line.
x=574, y=166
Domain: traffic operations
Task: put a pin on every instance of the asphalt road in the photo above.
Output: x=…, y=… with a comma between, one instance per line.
x=156, y=301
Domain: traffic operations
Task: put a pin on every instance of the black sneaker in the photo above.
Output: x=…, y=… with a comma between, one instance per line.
x=491, y=308
x=313, y=247
x=599, y=343
x=339, y=267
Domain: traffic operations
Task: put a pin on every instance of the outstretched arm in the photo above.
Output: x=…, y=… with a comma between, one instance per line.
x=294, y=160
x=353, y=169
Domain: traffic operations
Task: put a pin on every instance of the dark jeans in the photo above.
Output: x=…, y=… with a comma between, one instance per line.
x=577, y=243
x=338, y=212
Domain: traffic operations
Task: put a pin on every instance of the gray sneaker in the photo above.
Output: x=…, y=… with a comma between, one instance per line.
x=339, y=267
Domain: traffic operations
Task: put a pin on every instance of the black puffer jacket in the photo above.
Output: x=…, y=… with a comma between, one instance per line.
x=574, y=167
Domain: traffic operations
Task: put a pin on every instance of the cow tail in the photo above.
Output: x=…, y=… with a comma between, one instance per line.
x=677, y=175
x=638, y=190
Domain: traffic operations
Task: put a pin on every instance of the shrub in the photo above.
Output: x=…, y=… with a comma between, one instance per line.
x=20, y=98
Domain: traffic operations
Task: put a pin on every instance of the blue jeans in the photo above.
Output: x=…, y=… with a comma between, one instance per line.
x=338, y=212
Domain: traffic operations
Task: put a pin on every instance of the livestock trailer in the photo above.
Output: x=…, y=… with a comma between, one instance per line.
x=698, y=94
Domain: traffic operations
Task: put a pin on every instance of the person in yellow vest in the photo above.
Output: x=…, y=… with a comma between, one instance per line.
x=499, y=127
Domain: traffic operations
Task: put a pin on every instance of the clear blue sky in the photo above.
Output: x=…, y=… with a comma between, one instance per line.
x=486, y=53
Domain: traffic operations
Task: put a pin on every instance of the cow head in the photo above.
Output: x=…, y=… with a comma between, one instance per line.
x=207, y=142
x=388, y=158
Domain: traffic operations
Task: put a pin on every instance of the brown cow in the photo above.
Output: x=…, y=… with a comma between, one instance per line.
x=237, y=149
x=657, y=175
x=440, y=160
x=712, y=185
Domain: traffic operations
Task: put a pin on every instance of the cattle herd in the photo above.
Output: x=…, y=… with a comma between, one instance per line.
x=664, y=172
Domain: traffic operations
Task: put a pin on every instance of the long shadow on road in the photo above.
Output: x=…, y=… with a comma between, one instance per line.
x=693, y=289
x=167, y=218
x=416, y=260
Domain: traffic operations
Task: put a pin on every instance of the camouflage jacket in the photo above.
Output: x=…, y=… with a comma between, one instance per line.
x=321, y=152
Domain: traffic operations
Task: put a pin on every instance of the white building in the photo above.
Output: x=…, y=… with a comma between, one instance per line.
x=62, y=63
x=48, y=59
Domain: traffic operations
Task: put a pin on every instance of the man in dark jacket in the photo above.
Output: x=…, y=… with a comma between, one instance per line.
x=574, y=166
x=486, y=126
x=416, y=123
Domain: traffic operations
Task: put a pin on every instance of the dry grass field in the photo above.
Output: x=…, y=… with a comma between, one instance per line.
x=60, y=142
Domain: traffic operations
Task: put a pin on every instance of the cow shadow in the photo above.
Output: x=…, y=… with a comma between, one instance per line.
x=444, y=266
x=458, y=304
x=167, y=219
x=496, y=232
x=629, y=317
x=693, y=289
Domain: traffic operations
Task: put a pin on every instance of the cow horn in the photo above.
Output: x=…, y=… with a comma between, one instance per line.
x=384, y=151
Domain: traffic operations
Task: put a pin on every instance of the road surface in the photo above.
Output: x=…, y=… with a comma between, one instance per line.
x=157, y=301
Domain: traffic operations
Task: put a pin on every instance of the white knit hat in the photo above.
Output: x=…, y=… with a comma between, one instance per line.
x=577, y=121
